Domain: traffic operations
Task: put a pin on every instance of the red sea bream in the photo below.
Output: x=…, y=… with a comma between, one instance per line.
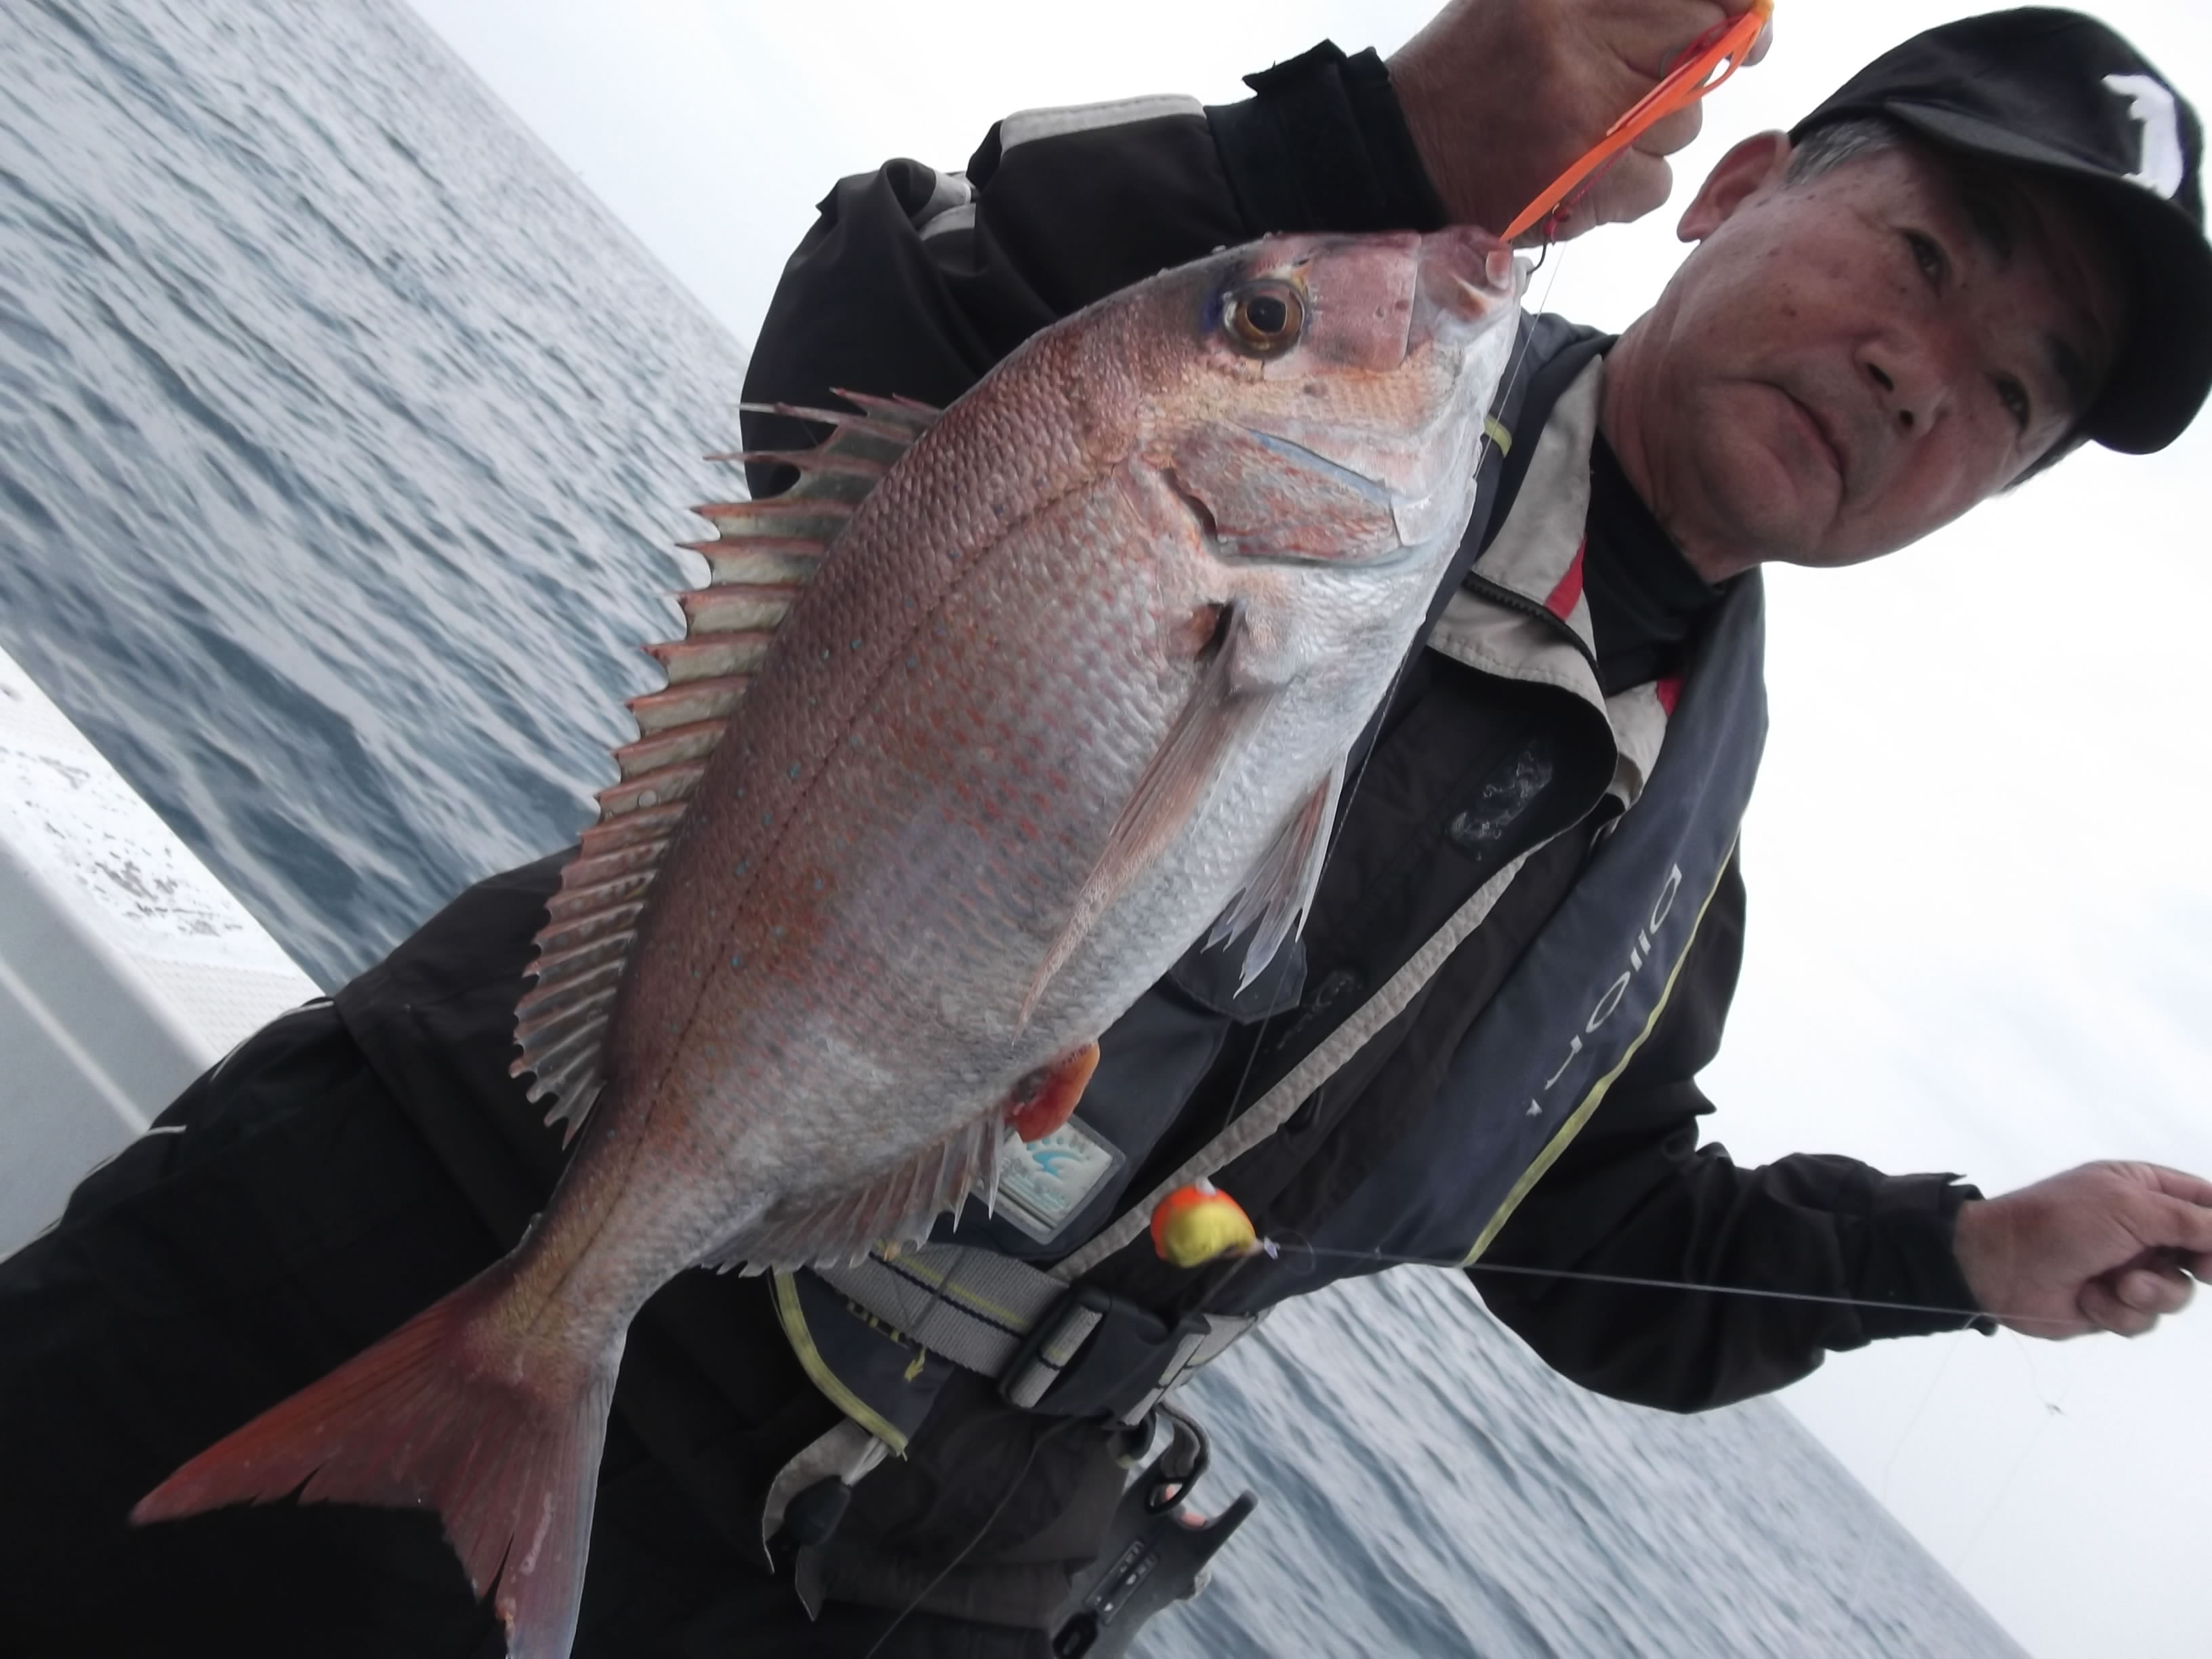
x=1073, y=684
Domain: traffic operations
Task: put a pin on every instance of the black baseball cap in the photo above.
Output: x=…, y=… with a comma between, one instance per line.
x=2057, y=93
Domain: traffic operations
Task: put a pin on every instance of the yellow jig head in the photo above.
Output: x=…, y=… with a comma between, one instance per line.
x=1199, y=1224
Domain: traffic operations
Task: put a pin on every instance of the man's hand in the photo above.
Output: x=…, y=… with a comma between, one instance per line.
x=2108, y=1247
x=1502, y=95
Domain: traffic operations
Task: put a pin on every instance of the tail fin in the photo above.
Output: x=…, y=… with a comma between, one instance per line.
x=455, y=1410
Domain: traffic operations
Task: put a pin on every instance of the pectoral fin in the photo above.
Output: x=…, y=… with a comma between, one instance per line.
x=1281, y=889
x=1047, y=1097
x=1218, y=715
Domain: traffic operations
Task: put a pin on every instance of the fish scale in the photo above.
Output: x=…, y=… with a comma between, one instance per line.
x=971, y=733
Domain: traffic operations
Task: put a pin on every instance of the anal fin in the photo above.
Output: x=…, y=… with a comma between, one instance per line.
x=897, y=1207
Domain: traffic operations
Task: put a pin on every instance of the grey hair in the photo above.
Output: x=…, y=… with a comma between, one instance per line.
x=1827, y=147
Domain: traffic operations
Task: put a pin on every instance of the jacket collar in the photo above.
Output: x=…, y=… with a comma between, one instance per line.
x=1535, y=565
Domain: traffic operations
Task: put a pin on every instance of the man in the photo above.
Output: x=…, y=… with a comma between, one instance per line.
x=1985, y=249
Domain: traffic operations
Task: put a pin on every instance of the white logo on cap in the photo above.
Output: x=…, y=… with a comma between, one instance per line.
x=2150, y=104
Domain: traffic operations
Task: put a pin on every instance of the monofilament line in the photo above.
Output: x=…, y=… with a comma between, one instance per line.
x=1636, y=1282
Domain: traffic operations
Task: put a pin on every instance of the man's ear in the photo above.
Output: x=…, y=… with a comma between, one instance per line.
x=1758, y=160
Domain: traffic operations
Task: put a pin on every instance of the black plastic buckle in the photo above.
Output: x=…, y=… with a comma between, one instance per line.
x=1120, y=1362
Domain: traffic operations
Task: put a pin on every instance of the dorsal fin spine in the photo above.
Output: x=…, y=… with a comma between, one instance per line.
x=595, y=867
x=544, y=1025
x=587, y=901
x=693, y=699
x=670, y=748
x=662, y=788
x=762, y=555
x=735, y=609
x=643, y=824
x=714, y=657
x=580, y=958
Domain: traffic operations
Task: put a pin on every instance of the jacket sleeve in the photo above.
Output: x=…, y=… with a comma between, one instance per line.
x=1636, y=1195
x=914, y=283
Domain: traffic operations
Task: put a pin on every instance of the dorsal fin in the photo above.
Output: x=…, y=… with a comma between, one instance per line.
x=762, y=553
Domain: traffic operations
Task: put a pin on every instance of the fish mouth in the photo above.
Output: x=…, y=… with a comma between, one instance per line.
x=1468, y=279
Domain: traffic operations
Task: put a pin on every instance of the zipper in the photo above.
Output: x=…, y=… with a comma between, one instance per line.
x=1528, y=607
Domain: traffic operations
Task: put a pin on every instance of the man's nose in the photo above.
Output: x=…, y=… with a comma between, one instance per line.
x=1908, y=381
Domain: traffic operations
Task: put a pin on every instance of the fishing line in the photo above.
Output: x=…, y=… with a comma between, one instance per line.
x=1865, y=1562
x=1514, y=367
x=1889, y=1469
x=968, y=1548
x=1640, y=1283
x=2004, y=1486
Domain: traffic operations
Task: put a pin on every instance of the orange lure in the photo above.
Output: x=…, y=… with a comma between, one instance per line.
x=1722, y=47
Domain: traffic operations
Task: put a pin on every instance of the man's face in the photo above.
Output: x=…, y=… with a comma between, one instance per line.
x=1849, y=361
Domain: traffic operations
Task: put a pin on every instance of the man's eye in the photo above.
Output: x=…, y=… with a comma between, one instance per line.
x=1926, y=254
x=2016, y=401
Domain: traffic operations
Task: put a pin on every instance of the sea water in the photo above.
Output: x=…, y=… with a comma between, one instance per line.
x=345, y=438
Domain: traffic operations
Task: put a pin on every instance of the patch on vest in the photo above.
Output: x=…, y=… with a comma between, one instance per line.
x=1042, y=1183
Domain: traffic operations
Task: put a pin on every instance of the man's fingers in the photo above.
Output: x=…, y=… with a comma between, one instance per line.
x=2180, y=1224
x=2102, y=1309
x=2179, y=1183
x=2156, y=1290
x=1672, y=132
x=1633, y=185
x=1761, y=46
x=1652, y=37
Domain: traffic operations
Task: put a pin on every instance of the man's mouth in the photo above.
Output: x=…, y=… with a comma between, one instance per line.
x=1818, y=433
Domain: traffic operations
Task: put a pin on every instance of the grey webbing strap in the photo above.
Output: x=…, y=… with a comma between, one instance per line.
x=977, y=1308
x=974, y=1307
x=1044, y=1364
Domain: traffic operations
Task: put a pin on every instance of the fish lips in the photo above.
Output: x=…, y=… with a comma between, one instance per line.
x=1467, y=283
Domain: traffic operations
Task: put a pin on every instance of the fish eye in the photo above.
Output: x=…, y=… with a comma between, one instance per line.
x=1264, y=319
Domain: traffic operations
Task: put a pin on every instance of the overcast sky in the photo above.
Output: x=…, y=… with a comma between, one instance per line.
x=1979, y=895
